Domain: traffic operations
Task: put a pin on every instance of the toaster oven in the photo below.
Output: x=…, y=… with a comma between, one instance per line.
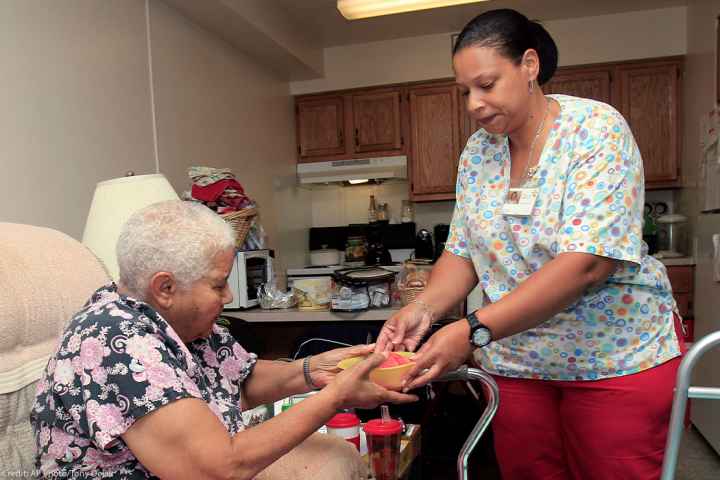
x=251, y=269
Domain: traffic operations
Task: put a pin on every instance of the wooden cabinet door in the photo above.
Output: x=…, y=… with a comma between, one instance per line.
x=649, y=100
x=435, y=138
x=320, y=127
x=376, y=121
x=580, y=82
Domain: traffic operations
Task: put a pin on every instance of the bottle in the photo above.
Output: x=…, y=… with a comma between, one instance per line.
x=372, y=210
x=407, y=212
x=382, y=213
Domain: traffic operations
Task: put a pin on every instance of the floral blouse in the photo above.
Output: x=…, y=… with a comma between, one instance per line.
x=118, y=360
x=590, y=198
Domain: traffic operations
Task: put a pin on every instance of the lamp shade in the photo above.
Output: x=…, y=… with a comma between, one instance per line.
x=114, y=201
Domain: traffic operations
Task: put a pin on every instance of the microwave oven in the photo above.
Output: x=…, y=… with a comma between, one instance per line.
x=251, y=269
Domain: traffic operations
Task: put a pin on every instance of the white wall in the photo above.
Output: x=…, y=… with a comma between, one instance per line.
x=634, y=35
x=75, y=101
x=77, y=110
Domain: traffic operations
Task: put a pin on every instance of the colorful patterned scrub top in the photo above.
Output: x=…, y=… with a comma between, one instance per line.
x=118, y=360
x=591, y=195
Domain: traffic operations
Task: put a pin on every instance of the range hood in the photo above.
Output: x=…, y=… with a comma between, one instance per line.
x=355, y=169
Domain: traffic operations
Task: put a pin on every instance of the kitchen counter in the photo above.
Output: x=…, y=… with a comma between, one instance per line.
x=258, y=315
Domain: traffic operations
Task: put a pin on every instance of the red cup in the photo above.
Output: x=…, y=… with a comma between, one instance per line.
x=383, y=439
x=347, y=426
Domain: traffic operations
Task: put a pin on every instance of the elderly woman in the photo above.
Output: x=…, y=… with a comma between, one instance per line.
x=144, y=384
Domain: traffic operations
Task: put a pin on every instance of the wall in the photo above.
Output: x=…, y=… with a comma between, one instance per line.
x=216, y=107
x=606, y=38
x=77, y=110
x=645, y=34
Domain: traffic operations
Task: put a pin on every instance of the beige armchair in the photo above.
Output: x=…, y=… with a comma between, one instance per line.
x=45, y=277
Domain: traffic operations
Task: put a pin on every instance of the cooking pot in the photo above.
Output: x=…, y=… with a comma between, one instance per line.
x=325, y=257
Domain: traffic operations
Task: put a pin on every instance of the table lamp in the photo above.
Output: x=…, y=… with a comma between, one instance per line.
x=112, y=204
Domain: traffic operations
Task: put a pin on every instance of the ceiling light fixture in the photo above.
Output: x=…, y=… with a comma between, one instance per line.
x=356, y=9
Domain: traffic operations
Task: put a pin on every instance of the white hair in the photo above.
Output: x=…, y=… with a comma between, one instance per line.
x=175, y=236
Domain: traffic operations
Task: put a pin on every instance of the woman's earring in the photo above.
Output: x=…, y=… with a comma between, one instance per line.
x=532, y=85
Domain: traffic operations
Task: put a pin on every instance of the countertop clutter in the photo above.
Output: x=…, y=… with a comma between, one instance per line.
x=259, y=315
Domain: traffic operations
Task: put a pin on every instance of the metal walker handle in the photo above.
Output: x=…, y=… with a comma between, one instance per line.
x=492, y=397
x=683, y=391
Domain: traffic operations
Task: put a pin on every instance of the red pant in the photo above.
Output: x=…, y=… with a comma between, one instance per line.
x=613, y=429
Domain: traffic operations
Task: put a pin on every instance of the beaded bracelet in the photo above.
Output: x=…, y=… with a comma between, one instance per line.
x=306, y=372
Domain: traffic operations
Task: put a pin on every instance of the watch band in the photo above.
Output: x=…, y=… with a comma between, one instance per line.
x=474, y=322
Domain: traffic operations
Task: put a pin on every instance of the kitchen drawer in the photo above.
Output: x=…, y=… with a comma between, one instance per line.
x=681, y=278
x=684, y=303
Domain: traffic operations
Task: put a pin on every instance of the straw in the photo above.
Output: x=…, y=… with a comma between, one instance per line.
x=385, y=413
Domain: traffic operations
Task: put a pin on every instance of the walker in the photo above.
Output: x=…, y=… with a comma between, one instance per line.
x=492, y=398
x=683, y=391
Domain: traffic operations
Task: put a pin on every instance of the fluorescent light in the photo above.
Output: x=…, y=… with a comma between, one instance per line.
x=356, y=182
x=355, y=9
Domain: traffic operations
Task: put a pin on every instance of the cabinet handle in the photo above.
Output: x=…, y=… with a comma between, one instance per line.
x=340, y=137
x=357, y=138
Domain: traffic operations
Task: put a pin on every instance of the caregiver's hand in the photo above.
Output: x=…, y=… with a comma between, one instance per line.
x=323, y=367
x=446, y=350
x=405, y=329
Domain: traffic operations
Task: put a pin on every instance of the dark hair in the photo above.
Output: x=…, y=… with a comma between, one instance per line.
x=512, y=33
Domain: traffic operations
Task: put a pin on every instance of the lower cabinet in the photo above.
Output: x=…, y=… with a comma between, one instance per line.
x=681, y=279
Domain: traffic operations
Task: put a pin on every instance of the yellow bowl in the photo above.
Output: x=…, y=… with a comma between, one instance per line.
x=390, y=377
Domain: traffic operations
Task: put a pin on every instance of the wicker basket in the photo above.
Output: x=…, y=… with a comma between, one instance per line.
x=240, y=221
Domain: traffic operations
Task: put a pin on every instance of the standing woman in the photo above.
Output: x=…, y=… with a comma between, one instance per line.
x=578, y=324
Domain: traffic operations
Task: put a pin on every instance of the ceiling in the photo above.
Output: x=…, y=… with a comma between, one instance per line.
x=322, y=21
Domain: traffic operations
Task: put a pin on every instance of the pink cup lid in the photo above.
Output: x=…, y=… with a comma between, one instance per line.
x=378, y=427
x=343, y=420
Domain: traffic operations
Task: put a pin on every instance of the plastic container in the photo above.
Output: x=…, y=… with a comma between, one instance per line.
x=383, y=440
x=345, y=426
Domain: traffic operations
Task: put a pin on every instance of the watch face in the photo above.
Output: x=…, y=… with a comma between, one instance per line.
x=481, y=337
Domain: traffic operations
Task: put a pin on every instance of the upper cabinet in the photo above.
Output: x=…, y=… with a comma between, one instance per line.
x=346, y=125
x=435, y=141
x=648, y=97
x=320, y=127
x=647, y=94
x=581, y=82
x=376, y=121
x=428, y=121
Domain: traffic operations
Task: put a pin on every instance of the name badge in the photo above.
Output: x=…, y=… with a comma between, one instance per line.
x=520, y=201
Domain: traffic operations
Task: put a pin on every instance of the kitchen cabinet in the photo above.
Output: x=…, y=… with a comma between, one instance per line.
x=434, y=140
x=681, y=279
x=320, y=127
x=376, y=121
x=648, y=96
x=353, y=124
x=585, y=82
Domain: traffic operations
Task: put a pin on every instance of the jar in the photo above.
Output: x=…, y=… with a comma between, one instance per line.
x=407, y=212
x=355, y=249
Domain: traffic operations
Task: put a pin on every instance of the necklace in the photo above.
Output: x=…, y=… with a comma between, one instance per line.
x=530, y=172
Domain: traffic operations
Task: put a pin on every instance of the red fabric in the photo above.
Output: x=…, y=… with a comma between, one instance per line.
x=585, y=430
x=212, y=192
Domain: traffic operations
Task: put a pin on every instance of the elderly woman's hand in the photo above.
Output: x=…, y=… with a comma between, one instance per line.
x=323, y=367
x=354, y=389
